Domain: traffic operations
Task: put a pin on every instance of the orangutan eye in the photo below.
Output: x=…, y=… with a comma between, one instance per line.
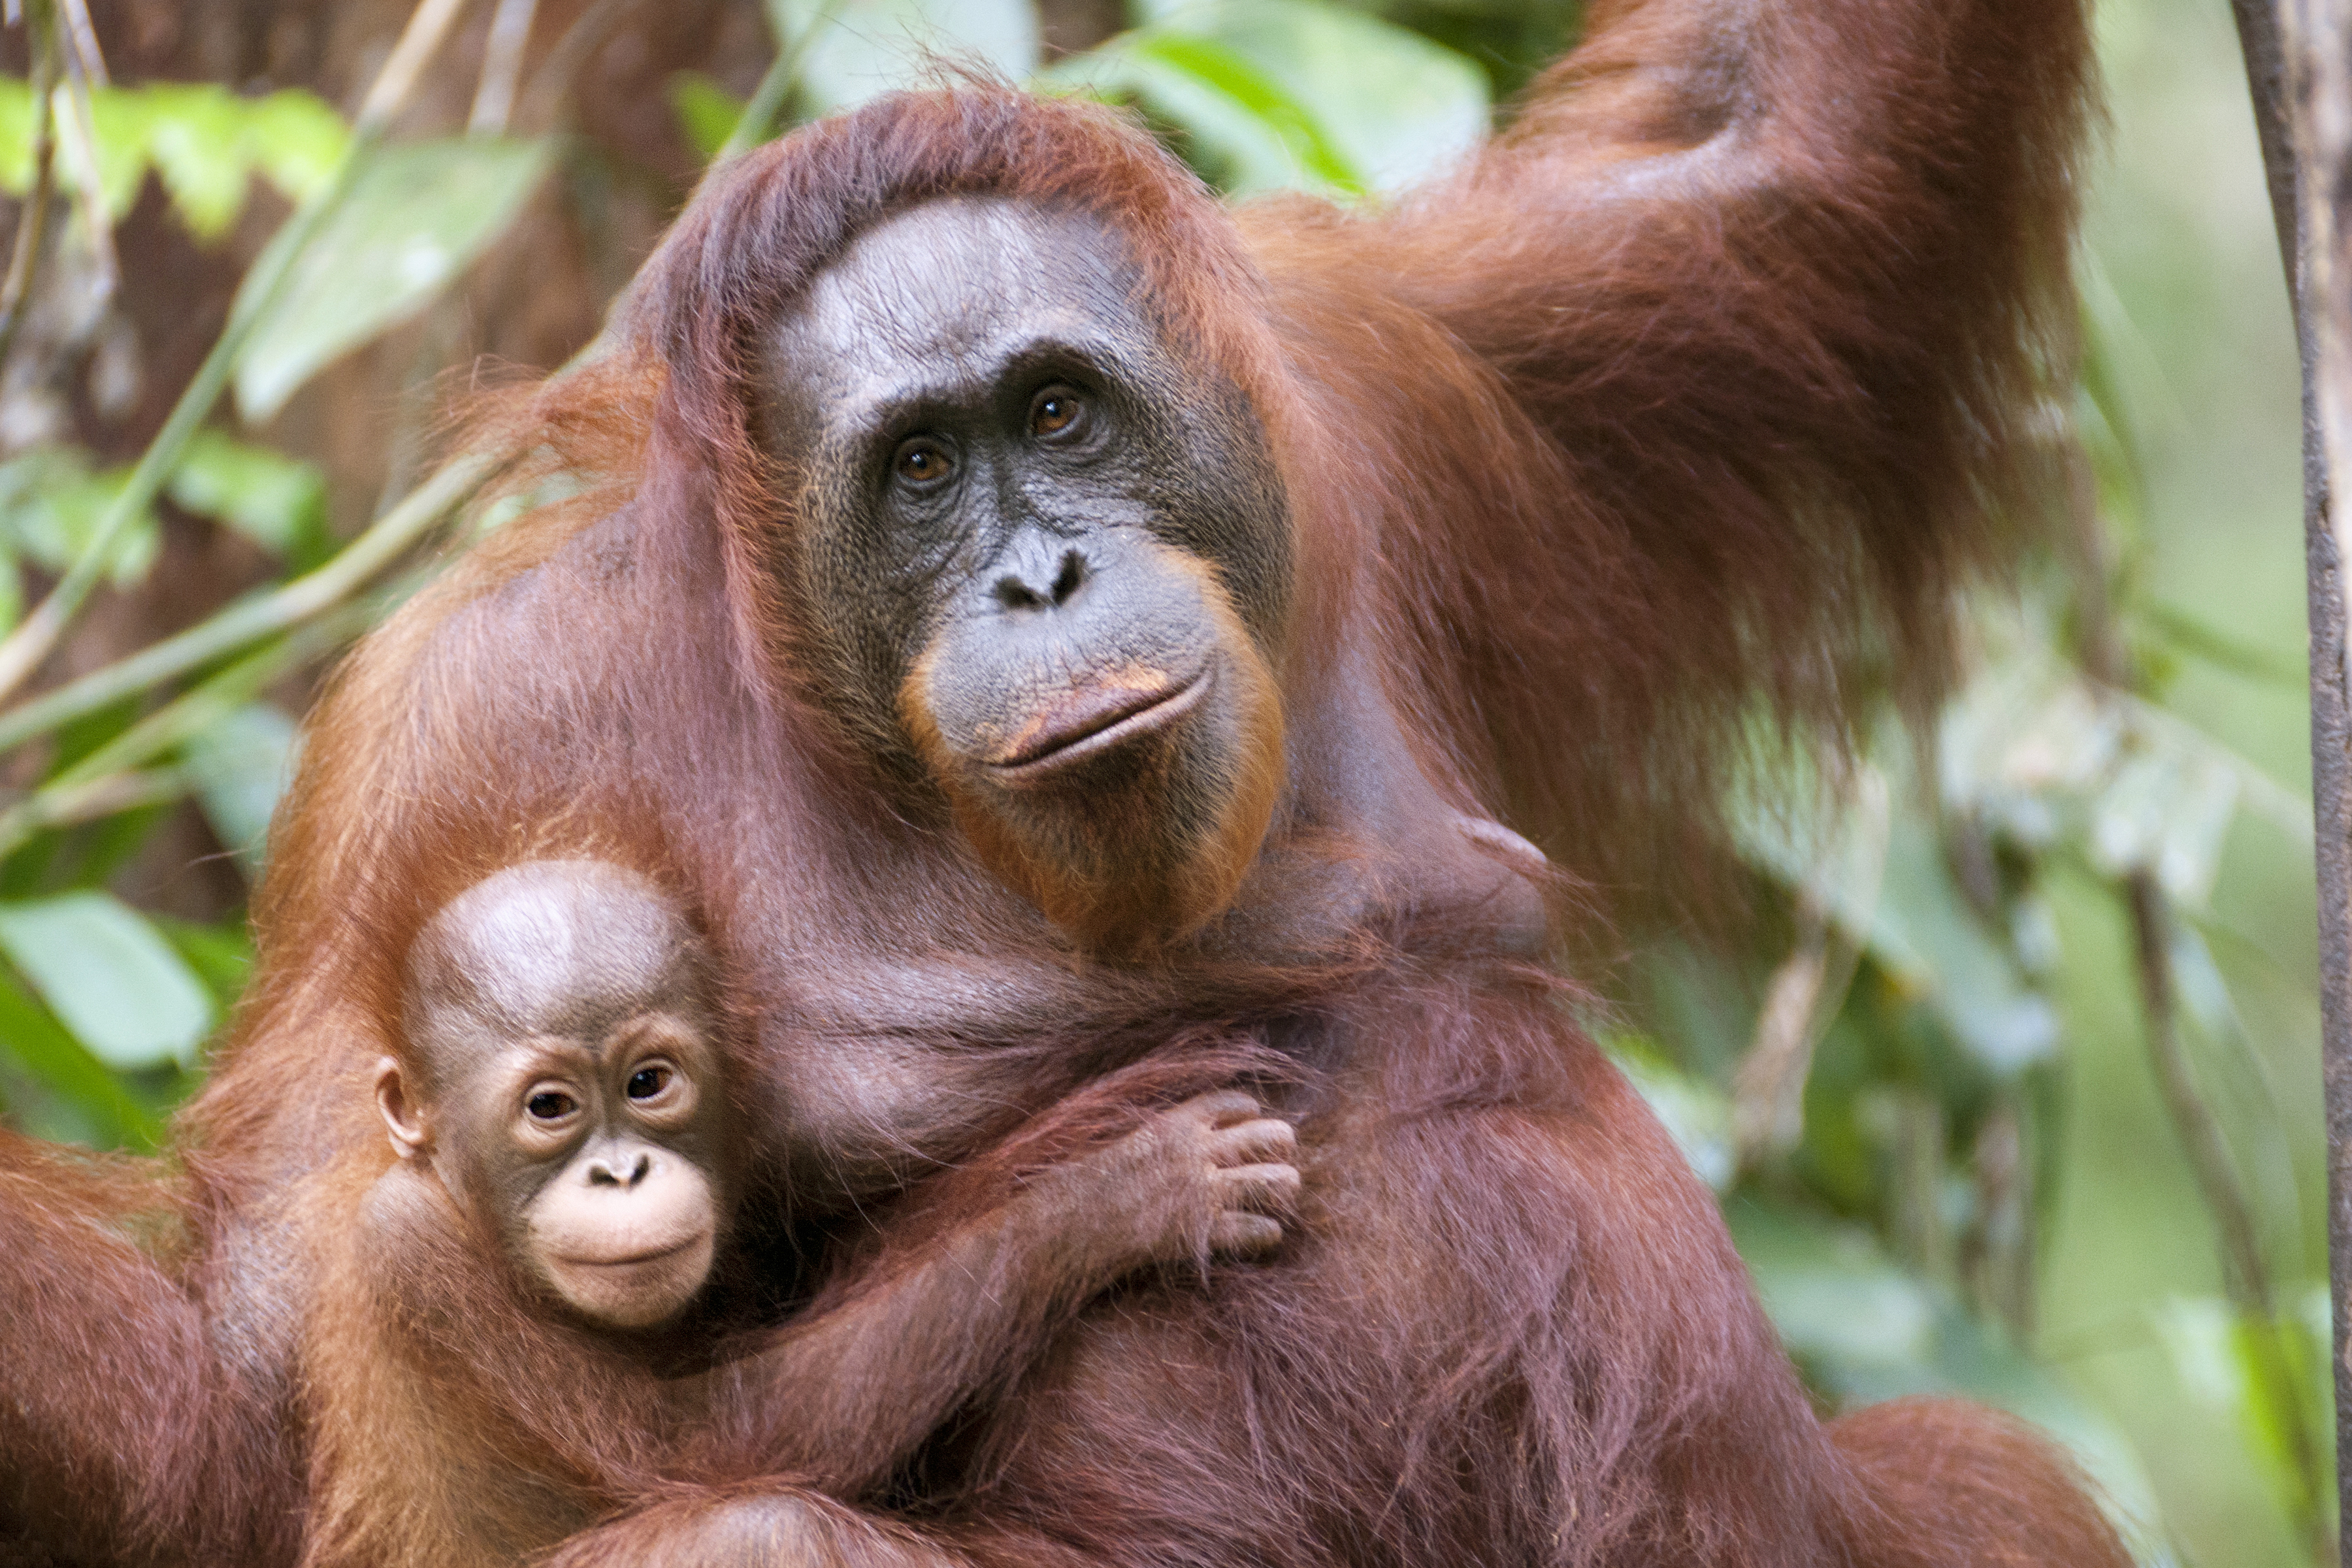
x=551, y=1105
x=648, y=1081
x=1057, y=411
x=921, y=461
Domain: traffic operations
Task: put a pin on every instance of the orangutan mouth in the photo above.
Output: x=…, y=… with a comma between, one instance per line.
x=1094, y=721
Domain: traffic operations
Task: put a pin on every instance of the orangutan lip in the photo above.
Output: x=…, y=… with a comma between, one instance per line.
x=1148, y=712
x=633, y=1259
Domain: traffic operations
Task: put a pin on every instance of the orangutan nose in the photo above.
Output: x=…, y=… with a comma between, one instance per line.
x=1019, y=589
x=623, y=1171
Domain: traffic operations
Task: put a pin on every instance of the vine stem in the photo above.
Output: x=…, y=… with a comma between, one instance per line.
x=33, y=225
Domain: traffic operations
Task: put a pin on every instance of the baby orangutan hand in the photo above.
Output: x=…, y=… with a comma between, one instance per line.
x=1211, y=1176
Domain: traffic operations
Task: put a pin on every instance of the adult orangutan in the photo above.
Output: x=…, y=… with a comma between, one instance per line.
x=1033, y=613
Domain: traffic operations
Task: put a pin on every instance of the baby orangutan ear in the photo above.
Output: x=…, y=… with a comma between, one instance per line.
x=410, y=1135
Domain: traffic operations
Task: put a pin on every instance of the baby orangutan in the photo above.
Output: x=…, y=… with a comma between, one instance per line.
x=515, y=1341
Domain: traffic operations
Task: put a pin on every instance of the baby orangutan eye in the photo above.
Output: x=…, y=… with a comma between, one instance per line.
x=649, y=1080
x=551, y=1105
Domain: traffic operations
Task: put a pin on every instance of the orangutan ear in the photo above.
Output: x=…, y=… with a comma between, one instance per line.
x=403, y=1118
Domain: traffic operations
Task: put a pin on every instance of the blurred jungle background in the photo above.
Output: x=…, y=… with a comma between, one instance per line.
x=2011, y=1088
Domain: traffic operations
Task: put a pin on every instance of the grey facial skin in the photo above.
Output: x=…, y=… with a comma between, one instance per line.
x=570, y=1101
x=1006, y=463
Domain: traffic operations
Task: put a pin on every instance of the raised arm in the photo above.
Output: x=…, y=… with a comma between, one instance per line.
x=1712, y=375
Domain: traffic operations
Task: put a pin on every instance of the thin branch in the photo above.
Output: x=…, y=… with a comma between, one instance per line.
x=92, y=63
x=32, y=223
x=2193, y=1120
x=494, y=95
x=78, y=132
x=2245, y=1275
x=551, y=83
x=107, y=796
x=1768, y=1095
x=81, y=793
x=389, y=93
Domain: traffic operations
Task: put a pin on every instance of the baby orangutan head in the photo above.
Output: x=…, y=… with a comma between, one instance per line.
x=559, y=1081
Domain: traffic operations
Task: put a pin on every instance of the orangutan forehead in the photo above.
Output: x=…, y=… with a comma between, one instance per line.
x=563, y=948
x=961, y=287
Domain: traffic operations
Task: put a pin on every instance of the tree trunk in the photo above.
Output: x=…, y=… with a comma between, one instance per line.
x=2299, y=65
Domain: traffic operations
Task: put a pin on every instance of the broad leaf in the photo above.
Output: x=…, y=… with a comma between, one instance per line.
x=1240, y=124
x=35, y=1042
x=203, y=140
x=1281, y=93
x=272, y=499
x=196, y=134
x=221, y=955
x=1393, y=106
x=416, y=216
x=117, y=985
x=16, y=135
x=242, y=766
x=852, y=50
x=121, y=120
x=2235, y=1366
x=51, y=504
x=1972, y=980
x=296, y=140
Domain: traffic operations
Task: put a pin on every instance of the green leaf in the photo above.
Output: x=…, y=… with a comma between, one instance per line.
x=16, y=135
x=1282, y=93
x=1392, y=106
x=272, y=499
x=706, y=111
x=38, y=1043
x=1865, y=1331
x=50, y=506
x=1896, y=899
x=2168, y=808
x=242, y=765
x=2248, y=1372
x=123, y=120
x=117, y=985
x=296, y=140
x=203, y=140
x=196, y=134
x=1696, y=1114
x=222, y=955
x=416, y=216
x=1971, y=980
x=857, y=49
x=1243, y=127
x=2187, y=633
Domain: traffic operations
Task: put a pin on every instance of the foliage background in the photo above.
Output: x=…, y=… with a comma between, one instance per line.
x=2014, y=1023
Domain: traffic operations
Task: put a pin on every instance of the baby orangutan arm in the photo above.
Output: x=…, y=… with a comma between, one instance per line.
x=841, y=1396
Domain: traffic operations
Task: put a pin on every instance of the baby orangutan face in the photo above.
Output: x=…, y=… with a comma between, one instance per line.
x=560, y=1085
